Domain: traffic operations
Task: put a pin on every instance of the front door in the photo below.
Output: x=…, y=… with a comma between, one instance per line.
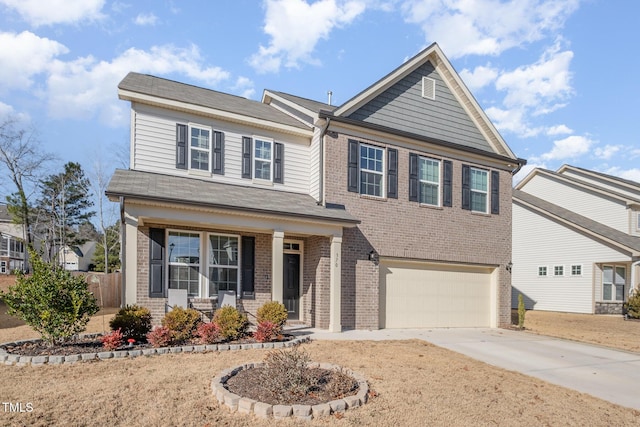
x=291, y=285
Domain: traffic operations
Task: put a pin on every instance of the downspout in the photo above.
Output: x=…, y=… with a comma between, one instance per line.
x=323, y=132
x=123, y=255
x=521, y=163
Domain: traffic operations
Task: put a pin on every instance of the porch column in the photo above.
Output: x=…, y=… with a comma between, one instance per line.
x=277, y=260
x=335, y=285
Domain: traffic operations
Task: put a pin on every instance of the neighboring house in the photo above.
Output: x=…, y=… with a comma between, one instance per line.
x=77, y=258
x=12, y=246
x=391, y=210
x=576, y=240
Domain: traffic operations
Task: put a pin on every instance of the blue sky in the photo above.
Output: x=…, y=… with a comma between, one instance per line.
x=558, y=78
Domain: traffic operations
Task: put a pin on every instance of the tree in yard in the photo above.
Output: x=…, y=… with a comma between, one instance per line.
x=113, y=250
x=24, y=161
x=64, y=204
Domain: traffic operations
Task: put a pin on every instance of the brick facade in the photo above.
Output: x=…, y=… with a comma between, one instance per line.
x=402, y=229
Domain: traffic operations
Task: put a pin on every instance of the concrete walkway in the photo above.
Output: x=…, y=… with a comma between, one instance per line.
x=604, y=373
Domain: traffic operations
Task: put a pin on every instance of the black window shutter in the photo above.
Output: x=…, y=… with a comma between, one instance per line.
x=447, y=178
x=352, y=173
x=246, y=157
x=278, y=162
x=413, y=177
x=392, y=173
x=218, y=153
x=466, y=187
x=248, y=265
x=181, y=146
x=495, y=192
x=156, y=263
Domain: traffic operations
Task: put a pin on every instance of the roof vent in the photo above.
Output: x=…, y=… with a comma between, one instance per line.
x=428, y=88
x=329, y=93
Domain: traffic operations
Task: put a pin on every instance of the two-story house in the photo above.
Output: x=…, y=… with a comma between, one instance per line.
x=391, y=210
x=576, y=240
x=12, y=247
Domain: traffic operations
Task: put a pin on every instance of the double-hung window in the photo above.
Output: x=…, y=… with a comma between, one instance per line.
x=184, y=261
x=479, y=188
x=613, y=280
x=223, y=263
x=429, y=176
x=263, y=159
x=200, y=148
x=371, y=170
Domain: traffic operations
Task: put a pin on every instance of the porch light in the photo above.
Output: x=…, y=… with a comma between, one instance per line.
x=373, y=256
x=509, y=266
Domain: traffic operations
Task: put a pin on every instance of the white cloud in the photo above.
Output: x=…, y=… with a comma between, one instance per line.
x=295, y=27
x=85, y=87
x=607, y=151
x=38, y=12
x=23, y=56
x=512, y=120
x=632, y=174
x=479, y=77
x=146, y=19
x=244, y=87
x=569, y=148
x=5, y=110
x=559, y=130
x=486, y=27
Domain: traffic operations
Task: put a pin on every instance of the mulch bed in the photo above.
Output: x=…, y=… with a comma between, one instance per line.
x=332, y=385
x=94, y=345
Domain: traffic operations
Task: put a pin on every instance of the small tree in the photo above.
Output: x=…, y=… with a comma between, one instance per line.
x=632, y=307
x=521, y=311
x=52, y=301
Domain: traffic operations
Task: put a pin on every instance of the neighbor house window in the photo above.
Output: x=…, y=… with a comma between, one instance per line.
x=542, y=271
x=558, y=270
x=263, y=159
x=3, y=267
x=429, y=176
x=200, y=148
x=184, y=262
x=576, y=270
x=371, y=170
x=223, y=263
x=479, y=187
x=613, y=280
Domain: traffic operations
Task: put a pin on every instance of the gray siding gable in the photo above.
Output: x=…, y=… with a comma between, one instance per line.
x=402, y=107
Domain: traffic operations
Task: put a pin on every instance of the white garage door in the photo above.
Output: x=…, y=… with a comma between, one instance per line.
x=421, y=295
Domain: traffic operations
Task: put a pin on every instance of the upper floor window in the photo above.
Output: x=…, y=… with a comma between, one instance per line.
x=576, y=270
x=429, y=173
x=480, y=190
x=558, y=270
x=542, y=271
x=200, y=148
x=479, y=186
x=371, y=170
x=263, y=159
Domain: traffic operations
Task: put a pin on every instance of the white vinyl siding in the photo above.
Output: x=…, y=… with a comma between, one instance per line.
x=537, y=242
x=154, y=149
x=314, y=166
x=607, y=211
x=601, y=182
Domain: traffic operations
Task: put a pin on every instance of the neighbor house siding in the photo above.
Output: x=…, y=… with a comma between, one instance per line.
x=603, y=183
x=540, y=241
x=155, y=148
x=402, y=107
x=598, y=207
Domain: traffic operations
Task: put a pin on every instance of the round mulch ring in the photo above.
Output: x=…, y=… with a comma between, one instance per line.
x=246, y=405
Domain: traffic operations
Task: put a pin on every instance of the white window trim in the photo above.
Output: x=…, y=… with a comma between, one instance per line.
x=576, y=265
x=471, y=190
x=558, y=275
x=439, y=183
x=383, y=187
x=205, y=285
x=546, y=271
x=200, y=263
x=613, y=282
x=210, y=150
x=254, y=159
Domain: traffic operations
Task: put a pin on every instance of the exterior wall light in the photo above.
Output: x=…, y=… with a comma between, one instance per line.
x=373, y=256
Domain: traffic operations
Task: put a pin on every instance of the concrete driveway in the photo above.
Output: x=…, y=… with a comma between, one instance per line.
x=608, y=374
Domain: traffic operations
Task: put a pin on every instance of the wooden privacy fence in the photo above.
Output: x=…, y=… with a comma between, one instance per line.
x=106, y=288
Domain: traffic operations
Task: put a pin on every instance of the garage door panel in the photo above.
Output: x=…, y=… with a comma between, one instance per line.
x=414, y=295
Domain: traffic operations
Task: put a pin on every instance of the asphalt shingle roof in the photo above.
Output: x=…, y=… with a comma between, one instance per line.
x=579, y=220
x=309, y=104
x=197, y=192
x=176, y=91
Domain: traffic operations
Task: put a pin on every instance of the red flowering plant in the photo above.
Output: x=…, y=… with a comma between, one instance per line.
x=266, y=331
x=112, y=340
x=160, y=337
x=208, y=333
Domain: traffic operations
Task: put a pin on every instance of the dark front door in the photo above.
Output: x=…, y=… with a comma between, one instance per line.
x=291, y=285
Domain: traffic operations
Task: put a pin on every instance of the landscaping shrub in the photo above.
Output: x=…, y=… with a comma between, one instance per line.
x=112, y=340
x=134, y=322
x=208, y=333
x=274, y=312
x=285, y=371
x=159, y=337
x=52, y=301
x=632, y=307
x=182, y=323
x=232, y=323
x=521, y=311
x=266, y=331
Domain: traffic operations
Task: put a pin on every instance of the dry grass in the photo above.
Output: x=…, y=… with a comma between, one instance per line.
x=418, y=384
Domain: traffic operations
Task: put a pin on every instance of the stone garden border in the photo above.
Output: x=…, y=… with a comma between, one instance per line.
x=245, y=405
x=20, y=360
